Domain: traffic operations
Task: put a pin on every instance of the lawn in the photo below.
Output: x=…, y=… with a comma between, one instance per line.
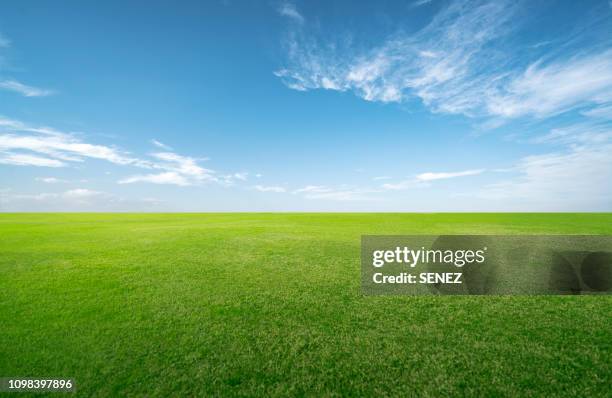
x=270, y=305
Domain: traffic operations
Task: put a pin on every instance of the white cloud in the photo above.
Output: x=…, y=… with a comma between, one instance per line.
x=178, y=170
x=312, y=189
x=276, y=189
x=289, y=10
x=462, y=62
x=56, y=146
x=15, y=125
x=439, y=64
x=399, y=186
x=544, y=90
x=241, y=176
x=170, y=177
x=420, y=179
x=64, y=148
x=78, y=194
x=21, y=159
x=23, y=89
x=43, y=196
x=183, y=165
x=232, y=179
x=50, y=180
x=81, y=193
x=161, y=145
x=419, y=3
x=579, y=134
x=79, y=199
x=441, y=176
x=25, y=145
x=578, y=179
x=574, y=178
x=343, y=193
x=4, y=42
x=600, y=112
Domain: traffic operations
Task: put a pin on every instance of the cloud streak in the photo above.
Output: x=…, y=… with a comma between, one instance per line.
x=419, y=3
x=50, y=180
x=4, y=42
x=442, y=176
x=575, y=177
x=22, y=159
x=178, y=170
x=462, y=62
x=344, y=193
x=167, y=178
x=77, y=199
x=23, y=89
x=22, y=144
x=275, y=189
x=161, y=145
x=289, y=10
x=548, y=89
x=437, y=64
x=44, y=146
x=420, y=179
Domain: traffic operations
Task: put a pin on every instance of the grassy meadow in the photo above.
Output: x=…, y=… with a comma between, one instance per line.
x=270, y=305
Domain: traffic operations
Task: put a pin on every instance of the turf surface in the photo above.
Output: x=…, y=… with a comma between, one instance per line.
x=270, y=304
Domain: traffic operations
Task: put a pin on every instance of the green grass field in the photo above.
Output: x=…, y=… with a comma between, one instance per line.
x=270, y=305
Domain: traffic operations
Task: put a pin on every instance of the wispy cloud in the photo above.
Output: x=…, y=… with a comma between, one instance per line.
x=419, y=3
x=169, y=177
x=183, y=165
x=16, y=125
x=77, y=194
x=25, y=90
x=587, y=133
x=312, y=189
x=178, y=170
x=234, y=178
x=241, y=176
x=427, y=177
x=575, y=177
x=50, y=180
x=578, y=179
x=336, y=194
x=161, y=145
x=289, y=10
x=22, y=159
x=4, y=42
x=462, y=62
x=24, y=145
x=78, y=199
x=548, y=89
x=441, y=64
x=442, y=176
x=81, y=193
x=401, y=185
x=276, y=189
x=52, y=148
x=600, y=112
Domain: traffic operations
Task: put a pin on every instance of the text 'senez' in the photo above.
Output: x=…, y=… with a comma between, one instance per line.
x=486, y=264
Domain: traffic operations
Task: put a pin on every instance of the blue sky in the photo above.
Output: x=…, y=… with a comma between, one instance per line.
x=306, y=106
